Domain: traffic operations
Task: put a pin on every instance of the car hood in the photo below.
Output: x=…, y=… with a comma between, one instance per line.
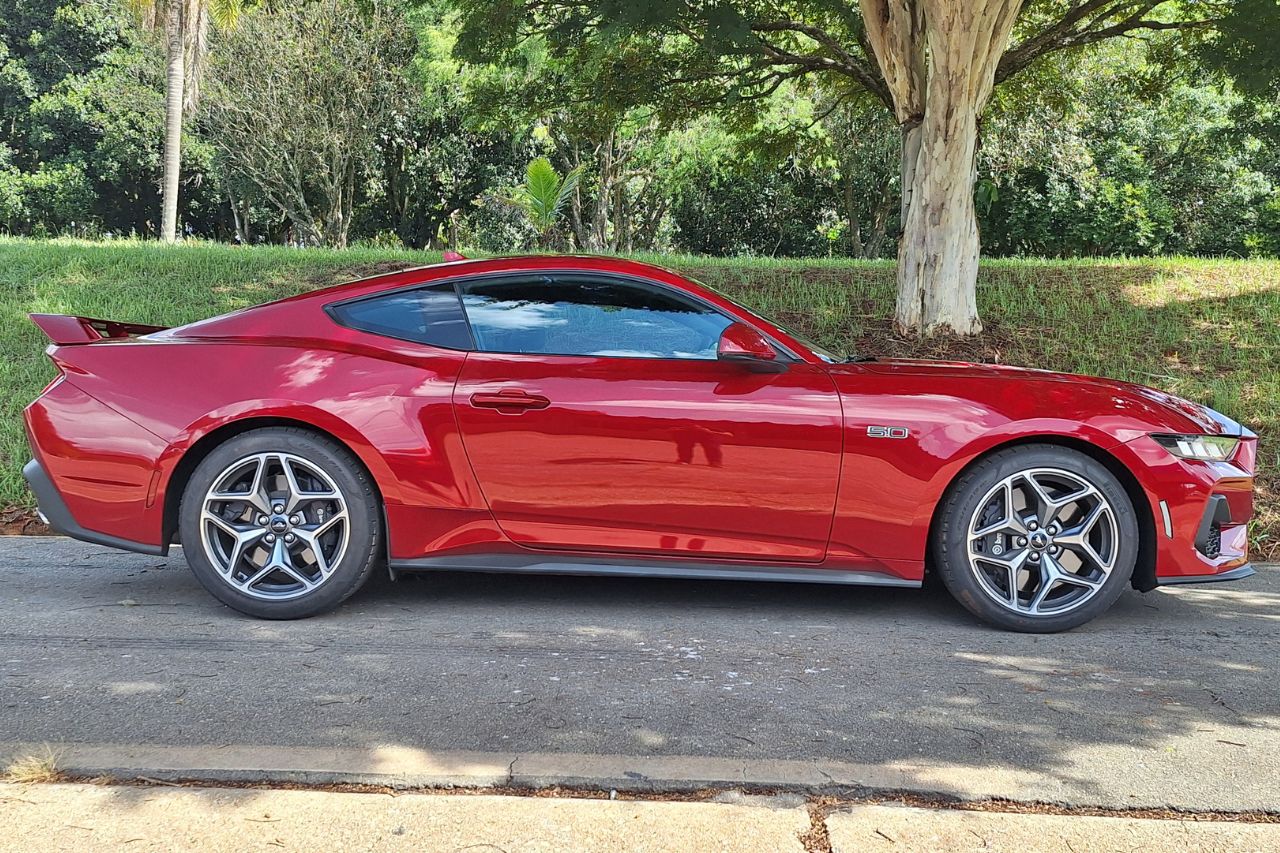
x=1181, y=415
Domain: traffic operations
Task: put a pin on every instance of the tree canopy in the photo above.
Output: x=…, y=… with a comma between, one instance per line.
x=726, y=128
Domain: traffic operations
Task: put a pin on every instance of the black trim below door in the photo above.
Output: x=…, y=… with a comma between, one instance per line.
x=655, y=568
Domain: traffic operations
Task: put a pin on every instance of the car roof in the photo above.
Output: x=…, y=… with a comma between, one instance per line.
x=257, y=320
x=507, y=263
x=301, y=316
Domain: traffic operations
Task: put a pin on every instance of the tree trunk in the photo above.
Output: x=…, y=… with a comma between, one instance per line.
x=939, y=60
x=242, y=225
x=175, y=76
x=879, y=221
x=851, y=218
x=910, y=157
x=938, y=253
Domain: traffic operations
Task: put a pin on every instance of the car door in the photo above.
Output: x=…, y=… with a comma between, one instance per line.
x=596, y=417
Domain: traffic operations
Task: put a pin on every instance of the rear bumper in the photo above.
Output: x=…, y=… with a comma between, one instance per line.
x=94, y=471
x=59, y=518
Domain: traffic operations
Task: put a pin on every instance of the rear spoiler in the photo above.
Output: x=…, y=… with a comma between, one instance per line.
x=64, y=329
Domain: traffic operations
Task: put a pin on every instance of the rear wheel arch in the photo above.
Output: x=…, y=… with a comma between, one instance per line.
x=208, y=442
x=1144, y=572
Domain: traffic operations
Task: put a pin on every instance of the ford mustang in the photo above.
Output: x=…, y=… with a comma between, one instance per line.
x=589, y=415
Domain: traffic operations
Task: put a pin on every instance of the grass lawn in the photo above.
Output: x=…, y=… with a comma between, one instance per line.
x=1208, y=330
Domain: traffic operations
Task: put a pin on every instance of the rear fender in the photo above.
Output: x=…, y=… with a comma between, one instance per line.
x=303, y=414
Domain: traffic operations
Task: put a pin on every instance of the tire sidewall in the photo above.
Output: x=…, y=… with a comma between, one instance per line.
x=951, y=543
x=364, y=534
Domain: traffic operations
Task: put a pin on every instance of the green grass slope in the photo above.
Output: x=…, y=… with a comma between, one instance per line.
x=1208, y=330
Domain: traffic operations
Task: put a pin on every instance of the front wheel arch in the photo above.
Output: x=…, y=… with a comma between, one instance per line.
x=1144, y=571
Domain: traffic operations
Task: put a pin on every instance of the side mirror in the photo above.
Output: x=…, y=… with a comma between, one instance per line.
x=742, y=344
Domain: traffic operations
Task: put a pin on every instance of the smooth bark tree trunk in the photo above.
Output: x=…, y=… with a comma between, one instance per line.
x=910, y=158
x=938, y=252
x=242, y=225
x=938, y=58
x=175, y=77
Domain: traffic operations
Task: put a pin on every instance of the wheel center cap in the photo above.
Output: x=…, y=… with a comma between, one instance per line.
x=279, y=524
x=1039, y=540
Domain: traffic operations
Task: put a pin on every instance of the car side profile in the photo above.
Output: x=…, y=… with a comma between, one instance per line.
x=590, y=415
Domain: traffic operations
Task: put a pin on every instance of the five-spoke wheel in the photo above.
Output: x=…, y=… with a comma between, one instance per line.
x=275, y=525
x=1036, y=538
x=1042, y=541
x=280, y=523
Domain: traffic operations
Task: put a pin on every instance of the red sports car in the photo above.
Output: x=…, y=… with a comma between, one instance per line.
x=588, y=415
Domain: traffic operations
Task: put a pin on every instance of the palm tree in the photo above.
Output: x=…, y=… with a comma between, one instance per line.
x=543, y=195
x=186, y=43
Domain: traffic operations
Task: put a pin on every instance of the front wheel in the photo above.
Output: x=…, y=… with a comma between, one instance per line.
x=280, y=523
x=1036, y=538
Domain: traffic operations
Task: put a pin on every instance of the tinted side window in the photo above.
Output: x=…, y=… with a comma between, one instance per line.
x=425, y=315
x=582, y=316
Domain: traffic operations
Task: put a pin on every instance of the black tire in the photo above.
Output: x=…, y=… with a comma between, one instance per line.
x=951, y=545
x=364, y=543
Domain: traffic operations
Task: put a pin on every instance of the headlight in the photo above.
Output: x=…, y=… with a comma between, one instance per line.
x=1206, y=447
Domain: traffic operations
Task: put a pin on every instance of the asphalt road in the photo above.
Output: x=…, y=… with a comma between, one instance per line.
x=1172, y=698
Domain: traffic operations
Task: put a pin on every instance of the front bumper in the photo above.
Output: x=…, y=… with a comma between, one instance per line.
x=53, y=509
x=1238, y=573
x=1201, y=512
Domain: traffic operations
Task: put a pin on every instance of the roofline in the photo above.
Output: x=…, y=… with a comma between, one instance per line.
x=536, y=259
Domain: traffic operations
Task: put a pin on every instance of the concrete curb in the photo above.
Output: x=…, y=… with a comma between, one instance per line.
x=403, y=768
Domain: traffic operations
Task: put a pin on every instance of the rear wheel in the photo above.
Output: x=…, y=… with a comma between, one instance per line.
x=1037, y=538
x=280, y=523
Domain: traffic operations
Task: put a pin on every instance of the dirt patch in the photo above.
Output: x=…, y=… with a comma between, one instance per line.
x=22, y=521
x=817, y=839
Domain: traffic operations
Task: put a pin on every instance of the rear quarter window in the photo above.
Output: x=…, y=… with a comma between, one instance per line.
x=426, y=315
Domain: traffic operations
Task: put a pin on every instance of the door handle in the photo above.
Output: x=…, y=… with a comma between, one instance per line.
x=509, y=400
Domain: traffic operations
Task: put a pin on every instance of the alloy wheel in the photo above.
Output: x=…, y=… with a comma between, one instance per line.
x=274, y=525
x=1043, y=541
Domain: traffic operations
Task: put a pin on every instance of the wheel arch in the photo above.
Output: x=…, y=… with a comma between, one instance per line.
x=1144, y=571
x=207, y=443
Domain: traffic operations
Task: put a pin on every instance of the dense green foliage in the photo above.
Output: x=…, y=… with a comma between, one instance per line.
x=1188, y=326
x=683, y=135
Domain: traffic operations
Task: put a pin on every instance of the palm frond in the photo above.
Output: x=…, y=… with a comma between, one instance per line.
x=225, y=14
x=542, y=186
x=567, y=188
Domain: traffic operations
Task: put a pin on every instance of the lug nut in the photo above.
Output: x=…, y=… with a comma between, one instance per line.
x=277, y=508
x=1032, y=525
x=262, y=519
x=1035, y=558
x=295, y=519
x=1053, y=530
x=1055, y=550
x=289, y=537
x=1022, y=541
x=270, y=538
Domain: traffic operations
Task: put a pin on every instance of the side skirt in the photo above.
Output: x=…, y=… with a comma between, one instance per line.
x=560, y=565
